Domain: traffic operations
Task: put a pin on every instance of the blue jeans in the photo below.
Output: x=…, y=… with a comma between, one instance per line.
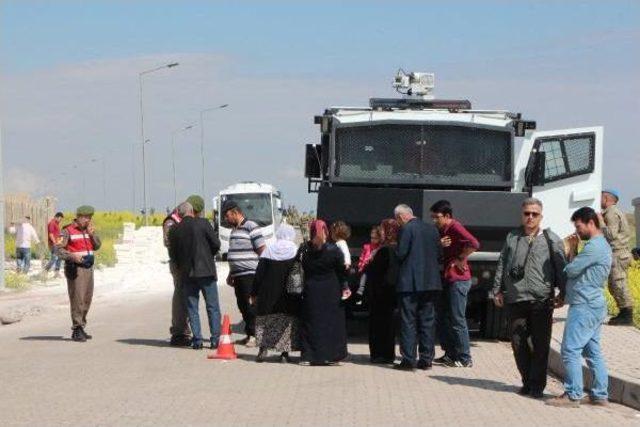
x=54, y=261
x=209, y=288
x=23, y=259
x=417, y=316
x=582, y=338
x=452, y=329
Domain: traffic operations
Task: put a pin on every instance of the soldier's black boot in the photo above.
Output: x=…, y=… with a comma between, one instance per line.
x=77, y=335
x=86, y=335
x=624, y=318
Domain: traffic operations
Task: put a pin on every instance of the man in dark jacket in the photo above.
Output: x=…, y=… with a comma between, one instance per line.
x=417, y=288
x=192, y=247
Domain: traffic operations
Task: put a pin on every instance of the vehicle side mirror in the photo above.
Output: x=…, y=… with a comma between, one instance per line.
x=312, y=163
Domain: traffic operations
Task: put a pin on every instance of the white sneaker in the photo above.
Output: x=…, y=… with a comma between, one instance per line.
x=251, y=342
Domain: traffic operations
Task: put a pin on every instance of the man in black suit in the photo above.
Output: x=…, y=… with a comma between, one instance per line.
x=192, y=247
x=417, y=288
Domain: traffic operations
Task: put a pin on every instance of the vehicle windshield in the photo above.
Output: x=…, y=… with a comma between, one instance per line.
x=423, y=154
x=255, y=206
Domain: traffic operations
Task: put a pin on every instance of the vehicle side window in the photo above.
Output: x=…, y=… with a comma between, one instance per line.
x=567, y=156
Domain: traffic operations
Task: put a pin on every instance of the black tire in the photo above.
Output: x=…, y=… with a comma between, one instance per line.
x=496, y=322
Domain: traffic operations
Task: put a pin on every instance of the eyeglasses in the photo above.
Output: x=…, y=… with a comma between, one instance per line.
x=532, y=214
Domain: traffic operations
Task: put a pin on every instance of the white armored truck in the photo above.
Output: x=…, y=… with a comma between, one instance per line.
x=418, y=149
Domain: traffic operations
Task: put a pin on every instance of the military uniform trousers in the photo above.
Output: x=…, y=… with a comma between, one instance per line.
x=179, y=318
x=80, y=288
x=618, y=286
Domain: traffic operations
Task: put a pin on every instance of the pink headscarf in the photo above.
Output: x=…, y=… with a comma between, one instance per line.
x=316, y=227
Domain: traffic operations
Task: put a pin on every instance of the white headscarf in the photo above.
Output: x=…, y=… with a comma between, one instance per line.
x=284, y=248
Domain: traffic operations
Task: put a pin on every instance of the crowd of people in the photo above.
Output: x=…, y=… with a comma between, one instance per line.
x=292, y=297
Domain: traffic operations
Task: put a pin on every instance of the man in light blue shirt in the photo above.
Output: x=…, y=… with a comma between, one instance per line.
x=586, y=277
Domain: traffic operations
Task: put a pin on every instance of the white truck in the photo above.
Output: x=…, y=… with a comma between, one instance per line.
x=261, y=203
x=418, y=149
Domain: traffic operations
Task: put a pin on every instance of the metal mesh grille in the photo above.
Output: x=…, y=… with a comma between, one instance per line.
x=567, y=157
x=424, y=154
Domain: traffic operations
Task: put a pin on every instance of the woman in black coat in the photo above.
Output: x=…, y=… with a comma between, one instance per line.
x=324, y=332
x=382, y=274
x=277, y=323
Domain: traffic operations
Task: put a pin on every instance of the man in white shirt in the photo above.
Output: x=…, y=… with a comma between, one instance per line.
x=25, y=235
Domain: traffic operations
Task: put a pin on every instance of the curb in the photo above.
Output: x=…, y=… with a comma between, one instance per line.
x=622, y=389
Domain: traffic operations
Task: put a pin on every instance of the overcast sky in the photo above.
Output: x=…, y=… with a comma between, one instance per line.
x=70, y=94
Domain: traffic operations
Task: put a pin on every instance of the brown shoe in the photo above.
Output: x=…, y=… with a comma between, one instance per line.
x=563, y=401
x=595, y=402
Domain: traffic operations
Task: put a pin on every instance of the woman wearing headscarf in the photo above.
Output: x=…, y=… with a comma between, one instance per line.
x=382, y=274
x=277, y=324
x=324, y=332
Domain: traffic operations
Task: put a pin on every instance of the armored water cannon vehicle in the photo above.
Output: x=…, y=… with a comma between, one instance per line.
x=418, y=149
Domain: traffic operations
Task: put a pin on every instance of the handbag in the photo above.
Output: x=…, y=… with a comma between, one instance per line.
x=295, y=279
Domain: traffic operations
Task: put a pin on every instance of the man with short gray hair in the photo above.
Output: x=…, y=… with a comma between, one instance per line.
x=179, y=330
x=417, y=288
x=530, y=266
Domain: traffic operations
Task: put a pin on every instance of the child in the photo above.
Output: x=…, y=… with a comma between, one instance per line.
x=340, y=232
x=368, y=251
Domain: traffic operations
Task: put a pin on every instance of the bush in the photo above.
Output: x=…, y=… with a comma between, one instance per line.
x=634, y=287
x=16, y=281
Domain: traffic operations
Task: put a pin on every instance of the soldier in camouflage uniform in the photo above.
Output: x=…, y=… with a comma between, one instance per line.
x=616, y=230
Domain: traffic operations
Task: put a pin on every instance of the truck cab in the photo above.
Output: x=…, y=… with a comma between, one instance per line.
x=418, y=149
x=261, y=203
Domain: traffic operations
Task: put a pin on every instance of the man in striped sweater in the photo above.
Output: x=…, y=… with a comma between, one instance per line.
x=246, y=243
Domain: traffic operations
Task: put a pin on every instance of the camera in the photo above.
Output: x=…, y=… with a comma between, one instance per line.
x=87, y=261
x=517, y=272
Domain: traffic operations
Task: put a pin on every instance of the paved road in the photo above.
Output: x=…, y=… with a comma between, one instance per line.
x=127, y=375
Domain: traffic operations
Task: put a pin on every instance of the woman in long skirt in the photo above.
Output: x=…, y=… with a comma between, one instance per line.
x=324, y=332
x=382, y=274
x=277, y=323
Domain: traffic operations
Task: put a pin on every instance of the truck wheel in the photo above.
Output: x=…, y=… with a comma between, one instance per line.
x=496, y=323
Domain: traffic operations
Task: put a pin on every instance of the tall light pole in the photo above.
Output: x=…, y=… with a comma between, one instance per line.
x=1, y=218
x=202, y=139
x=143, y=140
x=173, y=159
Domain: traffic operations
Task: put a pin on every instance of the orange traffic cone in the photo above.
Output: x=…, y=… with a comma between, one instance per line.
x=225, y=345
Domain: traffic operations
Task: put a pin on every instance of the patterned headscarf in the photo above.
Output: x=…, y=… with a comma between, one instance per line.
x=390, y=228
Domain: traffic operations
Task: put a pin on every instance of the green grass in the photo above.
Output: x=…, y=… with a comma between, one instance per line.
x=16, y=281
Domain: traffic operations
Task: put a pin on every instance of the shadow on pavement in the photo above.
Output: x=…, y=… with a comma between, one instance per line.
x=478, y=383
x=45, y=338
x=145, y=342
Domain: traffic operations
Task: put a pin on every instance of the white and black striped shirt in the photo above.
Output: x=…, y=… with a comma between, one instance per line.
x=244, y=242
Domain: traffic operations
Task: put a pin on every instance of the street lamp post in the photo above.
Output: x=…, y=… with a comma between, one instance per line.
x=1, y=219
x=143, y=140
x=173, y=159
x=202, y=139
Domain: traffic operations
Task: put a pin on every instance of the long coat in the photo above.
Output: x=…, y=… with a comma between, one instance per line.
x=418, y=252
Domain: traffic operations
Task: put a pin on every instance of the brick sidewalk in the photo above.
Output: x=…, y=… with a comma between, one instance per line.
x=620, y=346
x=127, y=375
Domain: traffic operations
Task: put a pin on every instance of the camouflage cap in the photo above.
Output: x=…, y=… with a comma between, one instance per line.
x=85, y=210
x=197, y=202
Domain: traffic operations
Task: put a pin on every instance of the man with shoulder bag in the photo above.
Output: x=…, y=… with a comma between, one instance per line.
x=529, y=269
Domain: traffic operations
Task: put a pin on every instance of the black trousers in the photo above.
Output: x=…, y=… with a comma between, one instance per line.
x=530, y=339
x=382, y=335
x=417, y=325
x=243, y=286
